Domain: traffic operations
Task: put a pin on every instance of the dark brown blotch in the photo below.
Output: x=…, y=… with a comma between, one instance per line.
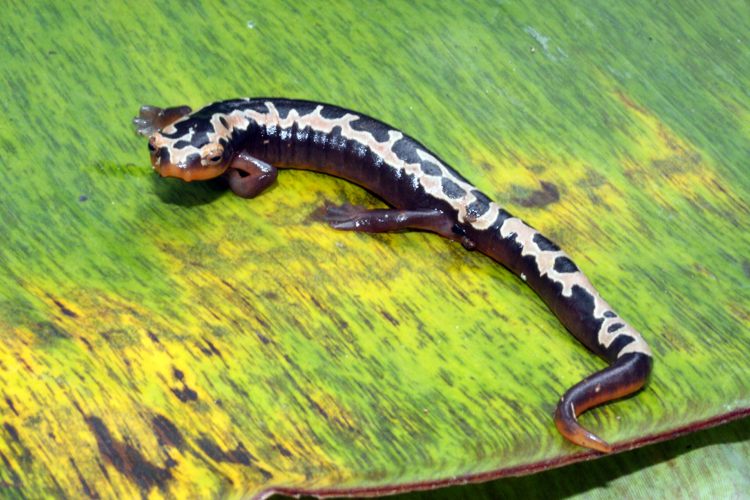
x=541, y=198
x=11, y=430
x=390, y=318
x=127, y=459
x=239, y=455
x=212, y=347
x=87, y=490
x=64, y=310
x=167, y=432
x=186, y=393
x=10, y=404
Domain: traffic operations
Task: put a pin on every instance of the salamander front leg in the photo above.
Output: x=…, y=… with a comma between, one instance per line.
x=248, y=176
x=349, y=217
x=152, y=119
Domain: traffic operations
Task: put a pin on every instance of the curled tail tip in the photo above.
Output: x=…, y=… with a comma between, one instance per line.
x=570, y=429
x=625, y=376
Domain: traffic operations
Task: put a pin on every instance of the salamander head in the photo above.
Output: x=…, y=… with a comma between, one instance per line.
x=184, y=145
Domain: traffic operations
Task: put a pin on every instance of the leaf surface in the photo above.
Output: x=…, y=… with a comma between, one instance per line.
x=168, y=340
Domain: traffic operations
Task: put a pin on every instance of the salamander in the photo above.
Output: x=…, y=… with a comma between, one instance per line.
x=246, y=140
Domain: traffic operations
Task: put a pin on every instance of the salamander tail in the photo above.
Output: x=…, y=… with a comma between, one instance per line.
x=625, y=376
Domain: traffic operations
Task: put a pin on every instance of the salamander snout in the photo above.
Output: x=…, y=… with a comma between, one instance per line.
x=189, y=163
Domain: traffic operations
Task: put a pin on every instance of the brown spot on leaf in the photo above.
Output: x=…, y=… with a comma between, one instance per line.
x=284, y=451
x=11, y=431
x=263, y=338
x=593, y=179
x=168, y=433
x=127, y=459
x=10, y=404
x=87, y=343
x=186, y=393
x=315, y=406
x=64, y=310
x=229, y=286
x=212, y=350
x=261, y=321
x=548, y=194
x=84, y=484
x=239, y=455
x=676, y=164
x=212, y=450
x=536, y=168
x=629, y=103
x=51, y=332
x=390, y=318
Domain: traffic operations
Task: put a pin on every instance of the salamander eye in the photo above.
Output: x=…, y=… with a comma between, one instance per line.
x=213, y=157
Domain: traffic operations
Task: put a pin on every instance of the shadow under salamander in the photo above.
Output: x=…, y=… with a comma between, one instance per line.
x=189, y=194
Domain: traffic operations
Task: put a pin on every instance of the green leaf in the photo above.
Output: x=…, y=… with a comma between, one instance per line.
x=703, y=465
x=170, y=340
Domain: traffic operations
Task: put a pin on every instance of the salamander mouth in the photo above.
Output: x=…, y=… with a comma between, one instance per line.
x=169, y=170
x=187, y=172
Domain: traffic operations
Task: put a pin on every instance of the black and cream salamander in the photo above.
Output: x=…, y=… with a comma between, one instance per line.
x=246, y=140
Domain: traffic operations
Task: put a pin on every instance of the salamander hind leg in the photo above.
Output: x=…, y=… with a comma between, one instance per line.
x=248, y=176
x=348, y=217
